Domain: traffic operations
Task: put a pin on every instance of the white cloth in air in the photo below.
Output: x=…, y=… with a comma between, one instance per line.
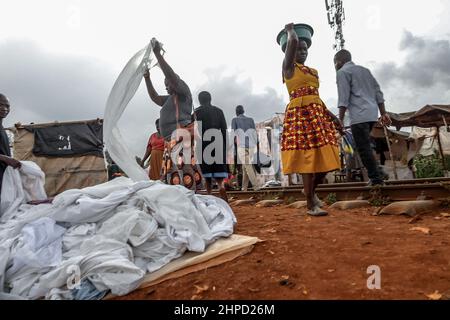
x=122, y=92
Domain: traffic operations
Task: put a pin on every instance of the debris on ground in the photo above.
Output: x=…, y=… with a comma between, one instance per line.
x=421, y=229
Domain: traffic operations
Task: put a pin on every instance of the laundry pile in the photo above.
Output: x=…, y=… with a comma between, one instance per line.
x=100, y=239
x=105, y=238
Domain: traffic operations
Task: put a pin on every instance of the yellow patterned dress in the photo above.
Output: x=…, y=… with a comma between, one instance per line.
x=308, y=143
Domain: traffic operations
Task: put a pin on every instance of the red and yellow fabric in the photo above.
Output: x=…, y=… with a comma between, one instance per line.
x=155, y=142
x=309, y=143
x=155, y=146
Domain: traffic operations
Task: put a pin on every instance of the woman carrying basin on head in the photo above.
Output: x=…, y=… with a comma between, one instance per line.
x=309, y=145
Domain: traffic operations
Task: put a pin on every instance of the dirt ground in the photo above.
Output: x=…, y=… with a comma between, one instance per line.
x=323, y=258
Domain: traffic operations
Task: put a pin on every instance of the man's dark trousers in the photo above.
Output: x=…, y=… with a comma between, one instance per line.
x=361, y=135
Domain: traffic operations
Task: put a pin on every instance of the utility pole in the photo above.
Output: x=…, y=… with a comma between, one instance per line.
x=336, y=18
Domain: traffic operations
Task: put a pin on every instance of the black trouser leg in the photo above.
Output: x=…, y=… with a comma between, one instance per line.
x=2, y=171
x=361, y=135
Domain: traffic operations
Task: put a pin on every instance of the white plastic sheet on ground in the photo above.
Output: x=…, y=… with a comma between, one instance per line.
x=137, y=228
x=111, y=234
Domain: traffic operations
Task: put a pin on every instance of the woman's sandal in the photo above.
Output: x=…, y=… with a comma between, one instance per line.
x=317, y=201
x=317, y=212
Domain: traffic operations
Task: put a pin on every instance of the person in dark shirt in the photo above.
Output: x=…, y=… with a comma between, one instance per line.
x=5, y=152
x=360, y=94
x=175, y=114
x=179, y=97
x=214, y=164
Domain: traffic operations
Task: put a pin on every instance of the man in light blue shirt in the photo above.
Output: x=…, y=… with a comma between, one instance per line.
x=247, y=140
x=360, y=94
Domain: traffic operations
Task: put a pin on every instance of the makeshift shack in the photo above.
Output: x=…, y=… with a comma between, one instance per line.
x=269, y=144
x=69, y=153
x=395, y=147
x=430, y=122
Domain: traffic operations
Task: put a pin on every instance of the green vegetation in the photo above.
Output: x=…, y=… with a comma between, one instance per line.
x=377, y=198
x=290, y=200
x=430, y=167
x=331, y=198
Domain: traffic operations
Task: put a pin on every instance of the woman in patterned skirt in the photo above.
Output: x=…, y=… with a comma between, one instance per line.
x=309, y=144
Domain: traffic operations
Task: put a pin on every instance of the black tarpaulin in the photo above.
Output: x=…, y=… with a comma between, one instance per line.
x=75, y=139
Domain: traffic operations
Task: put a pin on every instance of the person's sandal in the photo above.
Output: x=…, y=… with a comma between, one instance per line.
x=317, y=212
x=317, y=201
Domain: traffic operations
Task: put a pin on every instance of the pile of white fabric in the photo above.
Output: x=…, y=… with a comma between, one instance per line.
x=111, y=234
x=103, y=238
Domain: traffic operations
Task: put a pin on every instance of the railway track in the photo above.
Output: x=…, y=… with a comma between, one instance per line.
x=394, y=191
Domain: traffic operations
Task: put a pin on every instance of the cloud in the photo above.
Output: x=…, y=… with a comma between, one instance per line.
x=424, y=76
x=46, y=87
x=230, y=90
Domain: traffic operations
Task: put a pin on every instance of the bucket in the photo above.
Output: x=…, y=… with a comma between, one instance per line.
x=303, y=31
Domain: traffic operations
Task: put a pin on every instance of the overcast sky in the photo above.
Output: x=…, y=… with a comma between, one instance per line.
x=60, y=58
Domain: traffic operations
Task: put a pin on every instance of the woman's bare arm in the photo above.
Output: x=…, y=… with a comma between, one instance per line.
x=156, y=98
x=291, y=49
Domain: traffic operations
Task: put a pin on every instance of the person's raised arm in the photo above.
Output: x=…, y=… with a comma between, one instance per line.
x=170, y=75
x=156, y=98
x=291, y=49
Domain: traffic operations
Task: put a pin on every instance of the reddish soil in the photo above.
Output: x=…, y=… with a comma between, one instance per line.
x=323, y=258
